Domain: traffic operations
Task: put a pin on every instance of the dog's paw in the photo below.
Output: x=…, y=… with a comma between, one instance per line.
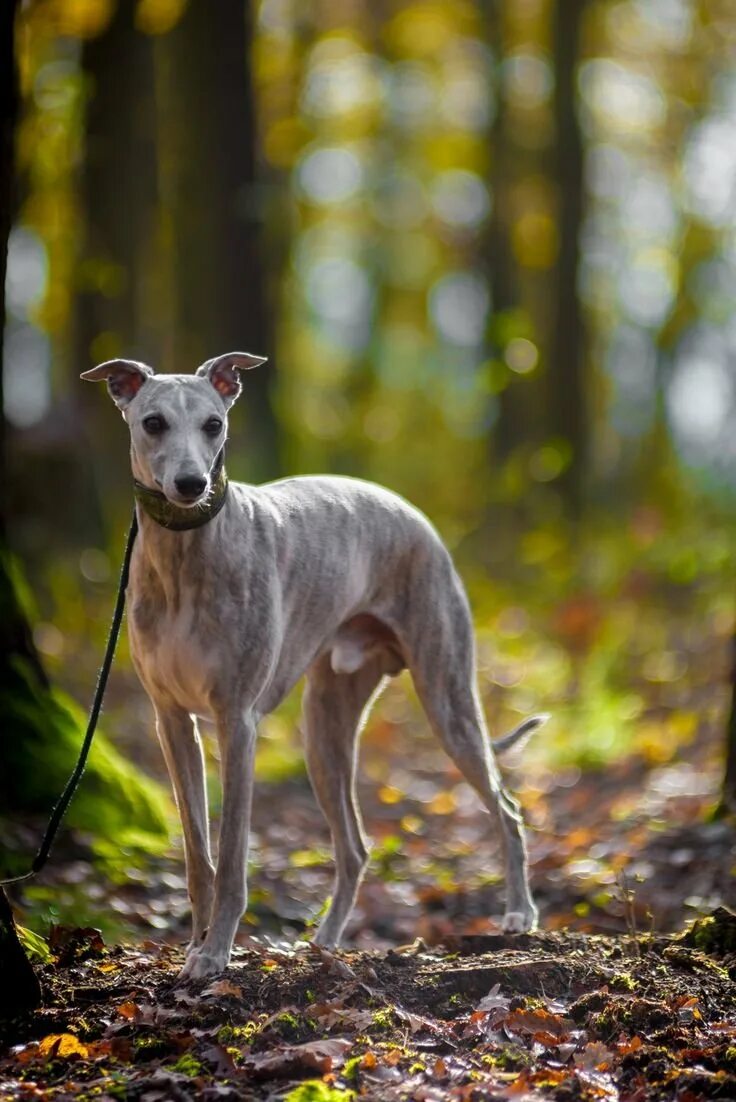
x=200, y=965
x=519, y=922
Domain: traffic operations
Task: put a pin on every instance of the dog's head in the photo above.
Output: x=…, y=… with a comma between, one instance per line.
x=178, y=423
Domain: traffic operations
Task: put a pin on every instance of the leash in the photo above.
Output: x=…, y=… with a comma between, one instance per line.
x=71, y=785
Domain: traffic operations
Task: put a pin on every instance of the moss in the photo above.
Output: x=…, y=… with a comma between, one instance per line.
x=288, y=1025
x=151, y=1047
x=715, y=934
x=314, y=1090
x=188, y=1065
x=508, y=1059
x=622, y=982
x=227, y=1034
x=384, y=1018
x=350, y=1071
x=46, y=731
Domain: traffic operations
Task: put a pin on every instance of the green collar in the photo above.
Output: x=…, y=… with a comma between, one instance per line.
x=177, y=518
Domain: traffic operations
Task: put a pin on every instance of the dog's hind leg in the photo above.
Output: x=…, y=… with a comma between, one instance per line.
x=332, y=709
x=441, y=657
x=182, y=750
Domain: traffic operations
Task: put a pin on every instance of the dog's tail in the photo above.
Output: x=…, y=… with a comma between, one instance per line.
x=519, y=735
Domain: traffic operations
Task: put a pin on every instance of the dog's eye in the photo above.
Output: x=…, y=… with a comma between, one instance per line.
x=212, y=426
x=154, y=425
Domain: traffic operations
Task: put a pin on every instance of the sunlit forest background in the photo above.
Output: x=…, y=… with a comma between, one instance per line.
x=489, y=247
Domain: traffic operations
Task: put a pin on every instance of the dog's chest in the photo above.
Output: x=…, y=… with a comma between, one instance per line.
x=174, y=645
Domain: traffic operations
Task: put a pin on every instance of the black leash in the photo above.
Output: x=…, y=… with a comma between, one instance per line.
x=71, y=785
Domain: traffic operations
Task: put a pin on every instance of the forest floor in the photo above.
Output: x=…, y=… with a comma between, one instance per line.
x=434, y=1002
x=556, y=1015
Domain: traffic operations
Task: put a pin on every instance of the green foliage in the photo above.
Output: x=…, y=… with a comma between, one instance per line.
x=36, y=948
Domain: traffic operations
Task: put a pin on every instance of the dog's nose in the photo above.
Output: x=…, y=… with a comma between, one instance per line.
x=190, y=485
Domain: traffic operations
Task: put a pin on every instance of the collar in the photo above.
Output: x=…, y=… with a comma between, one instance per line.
x=177, y=518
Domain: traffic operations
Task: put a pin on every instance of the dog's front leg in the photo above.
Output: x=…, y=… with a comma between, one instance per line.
x=236, y=737
x=182, y=750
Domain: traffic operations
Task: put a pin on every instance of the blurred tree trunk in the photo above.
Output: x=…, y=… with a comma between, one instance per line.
x=512, y=427
x=40, y=731
x=728, y=795
x=566, y=381
x=15, y=635
x=19, y=987
x=118, y=306
x=208, y=157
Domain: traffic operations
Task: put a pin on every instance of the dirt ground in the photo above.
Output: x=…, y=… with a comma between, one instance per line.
x=547, y=1015
x=619, y=996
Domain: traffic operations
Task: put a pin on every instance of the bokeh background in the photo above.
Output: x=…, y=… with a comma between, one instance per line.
x=489, y=247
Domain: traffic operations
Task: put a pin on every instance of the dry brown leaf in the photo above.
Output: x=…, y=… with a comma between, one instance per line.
x=538, y=1022
x=594, y=1055
x=319, y=1056
x=223, y=987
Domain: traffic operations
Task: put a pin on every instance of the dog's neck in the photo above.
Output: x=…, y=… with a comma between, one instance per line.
x=177, y=518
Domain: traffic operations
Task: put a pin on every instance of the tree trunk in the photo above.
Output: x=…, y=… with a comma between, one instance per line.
x=728, y=794
x=40, y=731
x=208, y=157
x=118, y=306
x=566, y=395
x=19, y=987
x=513, y=424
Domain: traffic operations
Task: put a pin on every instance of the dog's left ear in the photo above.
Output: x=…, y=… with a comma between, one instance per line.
x=222, y=372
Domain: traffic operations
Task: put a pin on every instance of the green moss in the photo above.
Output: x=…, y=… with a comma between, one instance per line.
x=623, y=981
x=188, y=1065
x=350, y=1071
x=116, y=804
x=227, y=1034
x=715, y=934
x=508, y=1059
x=289, y=1025
x=151, y=1047
x=314, y=1090
x=384, y=1018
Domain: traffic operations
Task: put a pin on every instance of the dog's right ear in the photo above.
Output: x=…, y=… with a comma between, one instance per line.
x=124, y=379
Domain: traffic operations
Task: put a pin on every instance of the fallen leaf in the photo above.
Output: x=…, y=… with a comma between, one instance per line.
x=629, y=1045
x=594, y=1055
x=538, y=1022
x=320, y=1056
x=62, y=1045
x=223, y=987
x=494, y=1000
x=129, y=1010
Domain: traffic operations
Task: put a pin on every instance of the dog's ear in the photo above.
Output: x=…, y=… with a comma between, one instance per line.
x=222, y=372
x=124, y=379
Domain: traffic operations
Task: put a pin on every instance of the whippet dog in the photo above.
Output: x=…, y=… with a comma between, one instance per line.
x=236, y=591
